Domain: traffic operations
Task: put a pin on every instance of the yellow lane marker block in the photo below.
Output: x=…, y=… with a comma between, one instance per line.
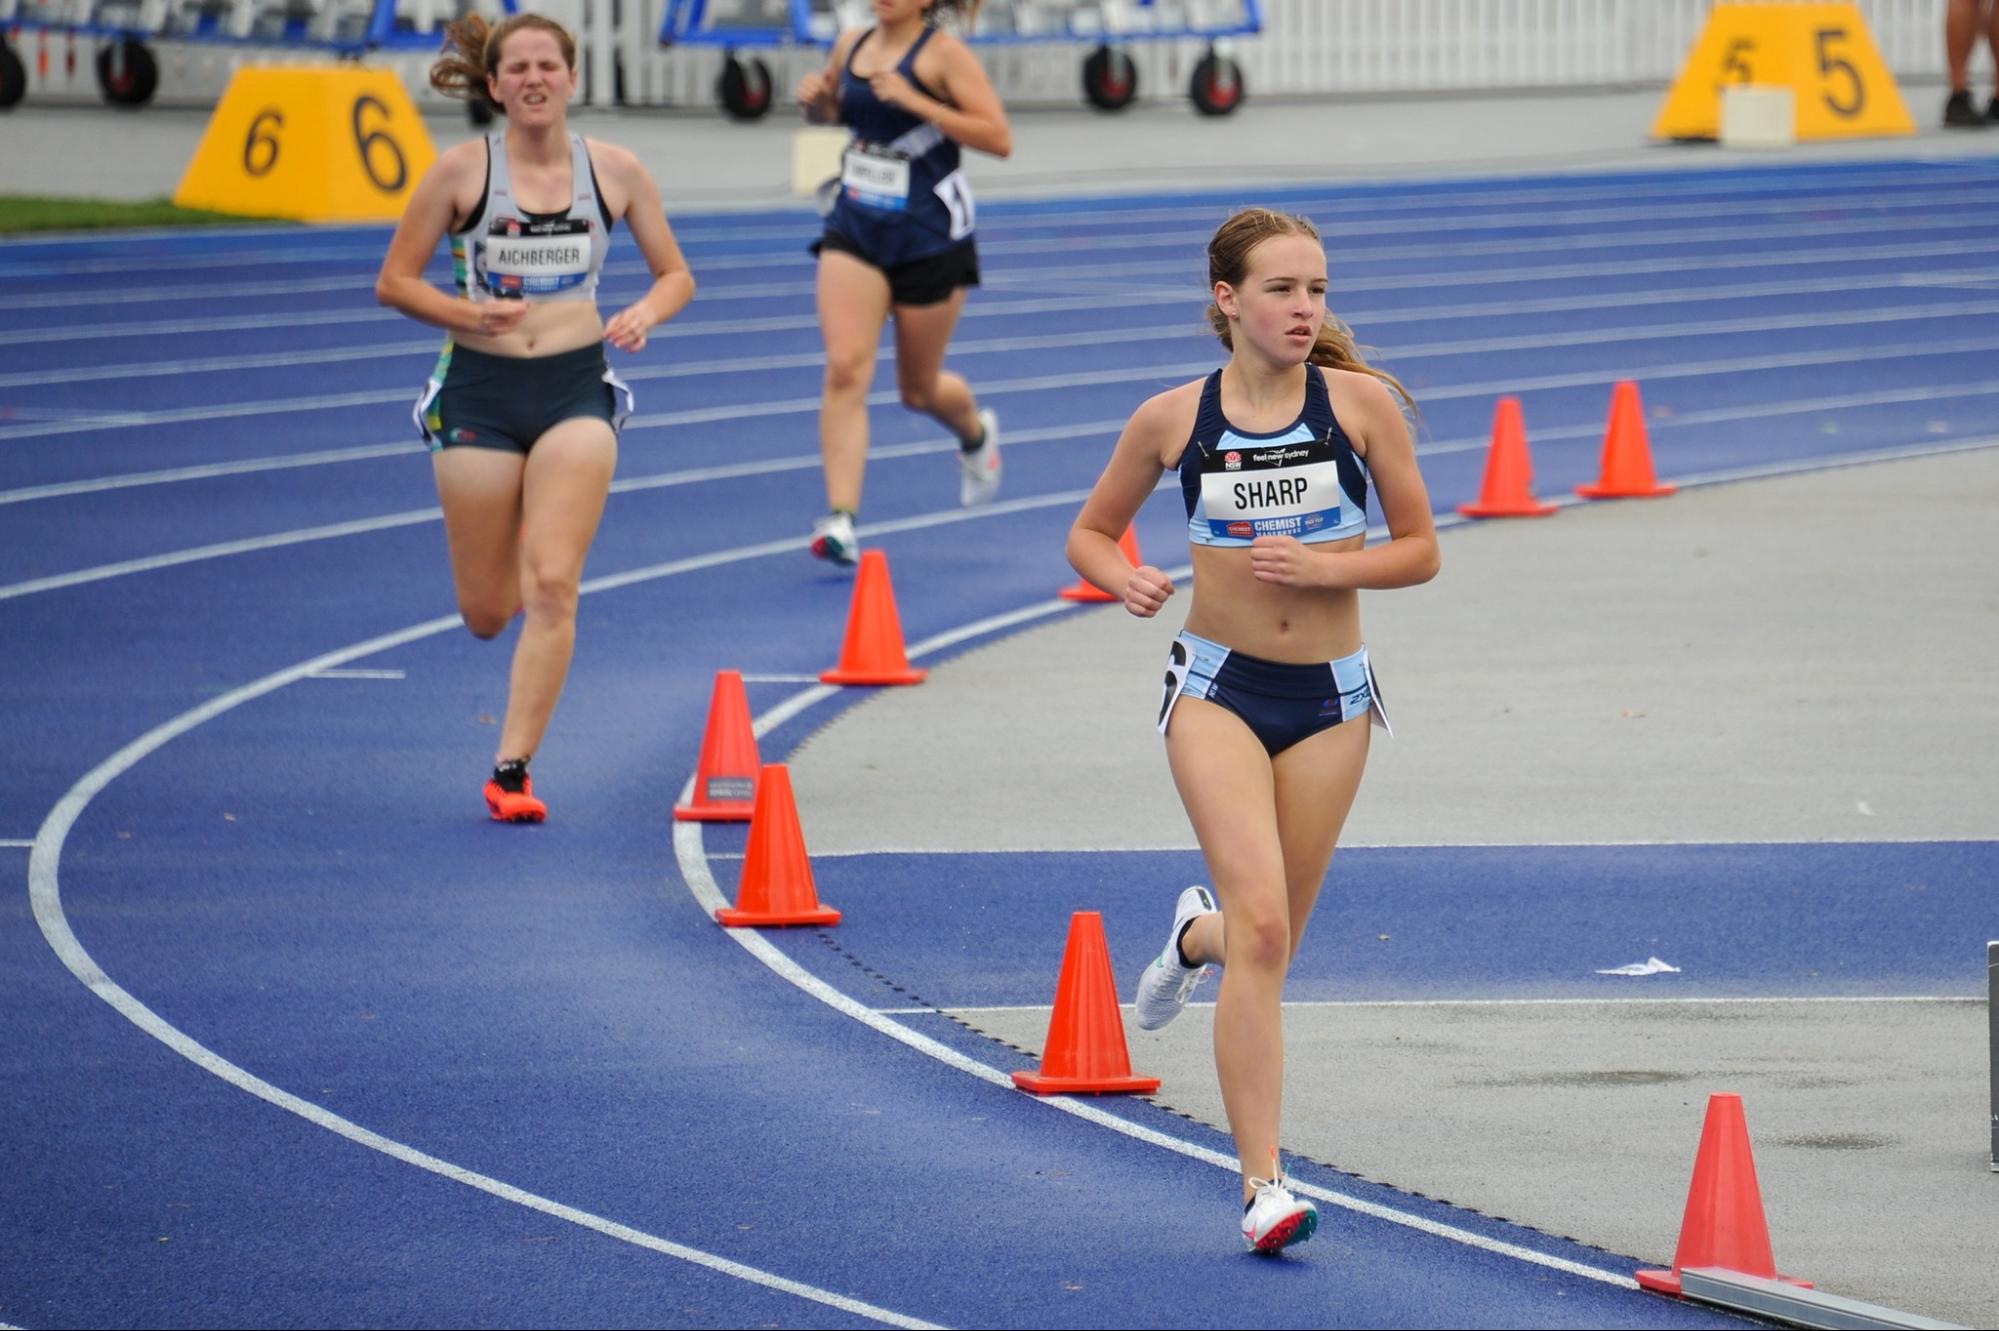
x=319, y=143
x=1823, y=53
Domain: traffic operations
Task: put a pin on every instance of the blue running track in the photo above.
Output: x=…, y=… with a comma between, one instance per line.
x=295, y=1036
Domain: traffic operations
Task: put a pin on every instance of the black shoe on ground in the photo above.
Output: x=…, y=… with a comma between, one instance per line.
x=1959, y=111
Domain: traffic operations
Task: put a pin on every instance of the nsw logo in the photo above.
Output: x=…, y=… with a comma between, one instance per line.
x=1232, y=460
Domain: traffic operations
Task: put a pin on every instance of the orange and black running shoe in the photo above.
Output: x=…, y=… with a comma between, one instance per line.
x=510, y=794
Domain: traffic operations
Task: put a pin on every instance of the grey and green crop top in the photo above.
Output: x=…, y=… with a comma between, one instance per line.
x=508, y=253
x=1304, y=481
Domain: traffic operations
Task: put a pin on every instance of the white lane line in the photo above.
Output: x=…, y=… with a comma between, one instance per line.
x=1062, y=250
x=45, y=893
x=250, y=545
x=357, y=674
x=1800, y=185
x=209, y=470
x=219, y=550
x=780, y=679
x=690, y=855
x=1303, y=1003
x=17, y=845
x=701, y=884
x=1680, y=292
x=1109, y=427
x=1867, y=213
x=44, y=887
x=696, y=325
x=1901, y=349
x=708, y=369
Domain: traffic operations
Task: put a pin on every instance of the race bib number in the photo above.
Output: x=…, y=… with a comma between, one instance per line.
x=534, y=259
x=1254, y=493
x=876, y=179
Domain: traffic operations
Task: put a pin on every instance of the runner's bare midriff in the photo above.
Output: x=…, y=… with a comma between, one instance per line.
x=550, y=328
x=1297, y=625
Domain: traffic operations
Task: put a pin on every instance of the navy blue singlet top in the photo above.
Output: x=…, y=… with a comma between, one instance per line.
x=902, y=195
x=1304, y=480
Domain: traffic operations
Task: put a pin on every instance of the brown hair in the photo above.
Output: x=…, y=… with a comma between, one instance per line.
x=1228, y=261
x=472, y=52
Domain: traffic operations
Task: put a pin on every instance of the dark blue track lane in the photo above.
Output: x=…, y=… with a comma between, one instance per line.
x=306, y=884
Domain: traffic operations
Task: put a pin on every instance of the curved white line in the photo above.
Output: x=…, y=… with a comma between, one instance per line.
x=691, y=857
x=799, y=360
x=45, y=894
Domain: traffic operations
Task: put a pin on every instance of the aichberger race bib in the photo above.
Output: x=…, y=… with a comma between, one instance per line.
x=529, y=259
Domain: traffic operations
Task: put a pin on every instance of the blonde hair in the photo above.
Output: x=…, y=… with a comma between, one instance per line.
x=1228, y=261
x=472, y=52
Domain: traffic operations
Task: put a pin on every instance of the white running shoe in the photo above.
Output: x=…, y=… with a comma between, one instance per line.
x=1275, y=1219
x=833, y=540
x=1164, y=988
x=980, y=483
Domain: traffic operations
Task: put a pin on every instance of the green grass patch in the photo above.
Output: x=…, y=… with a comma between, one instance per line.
x=32, y=212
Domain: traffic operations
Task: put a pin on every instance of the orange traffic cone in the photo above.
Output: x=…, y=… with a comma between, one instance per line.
x=725, y=780
x=1508, y=490
x=1627, y=452
x=1723, y=1225
x=873, y=652
x=777, y=875
x=1085, y=1051
x=1085, y=590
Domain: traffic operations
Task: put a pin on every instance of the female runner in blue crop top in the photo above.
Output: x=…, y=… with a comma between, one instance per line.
x=522, y=412
x=1268, y=686
x=899, y=239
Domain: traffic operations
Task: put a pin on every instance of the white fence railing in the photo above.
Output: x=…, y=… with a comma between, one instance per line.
x=1307, y=47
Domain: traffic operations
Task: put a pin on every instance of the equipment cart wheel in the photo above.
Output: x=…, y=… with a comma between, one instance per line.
x=744, y=88
x=127, y=73
x=1110, y=79
x=13, y=77
x=1216, y=87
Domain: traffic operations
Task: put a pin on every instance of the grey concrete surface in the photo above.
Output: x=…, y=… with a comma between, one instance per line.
x=1539, y=686
x=1841, y=624
x=1583, y=1119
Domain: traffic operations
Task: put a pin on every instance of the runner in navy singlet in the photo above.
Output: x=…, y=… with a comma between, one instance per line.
x=522, y=412
x=1269, y=693
x=899, y=239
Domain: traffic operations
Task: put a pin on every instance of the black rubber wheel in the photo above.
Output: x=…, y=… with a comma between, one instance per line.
x=1217, y=86
x=127, y=73
x=1110, y=79
x=744, y=88
x=13, y=77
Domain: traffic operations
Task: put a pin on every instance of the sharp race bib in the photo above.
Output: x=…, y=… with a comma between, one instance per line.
x=1279, y=490
x=875, y=178
x=533, y=259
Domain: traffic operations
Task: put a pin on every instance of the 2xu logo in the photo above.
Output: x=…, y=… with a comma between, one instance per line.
x=375, y=148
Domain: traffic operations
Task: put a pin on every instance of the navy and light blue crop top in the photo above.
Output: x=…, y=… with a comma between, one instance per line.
x=1304, y=481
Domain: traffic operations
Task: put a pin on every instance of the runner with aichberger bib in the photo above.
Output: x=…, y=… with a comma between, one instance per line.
x=522, y=411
